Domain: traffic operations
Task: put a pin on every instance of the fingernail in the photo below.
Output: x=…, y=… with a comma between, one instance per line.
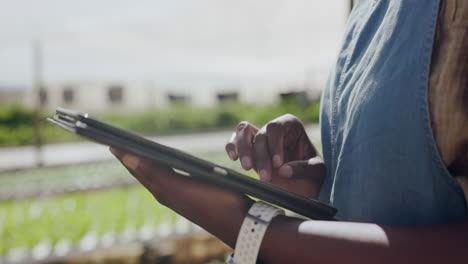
x=117, y=153
x=276, y=161
x=232, y=155
x=246, y=163
x=263, y=175
x=286, y=171
x=131, y=161
x=112, y=150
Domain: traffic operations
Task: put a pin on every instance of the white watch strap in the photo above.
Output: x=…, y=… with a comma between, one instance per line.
x=252, y=231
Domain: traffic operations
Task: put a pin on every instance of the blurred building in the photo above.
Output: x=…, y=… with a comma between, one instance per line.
x=96, y=96
x=101, y=96
x=11, y=95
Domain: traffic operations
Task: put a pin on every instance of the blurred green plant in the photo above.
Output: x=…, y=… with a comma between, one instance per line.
x=14, y=116
x=16, y=122
x=70, y=216
x=16, y=125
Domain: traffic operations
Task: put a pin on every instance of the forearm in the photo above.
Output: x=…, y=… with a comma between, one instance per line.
x=345, y=242
x=217, y=210
x=290, y=240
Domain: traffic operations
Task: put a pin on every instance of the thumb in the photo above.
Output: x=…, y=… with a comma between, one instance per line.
x=312, y=168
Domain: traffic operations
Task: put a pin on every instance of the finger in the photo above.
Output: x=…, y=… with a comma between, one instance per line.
x=275, y=133
x=148, y=172
x=116, y=152
x=313, y=168
x=262, y=157
x=128, y=160
x=139, y=164
x=231, y=147
x=245, y=135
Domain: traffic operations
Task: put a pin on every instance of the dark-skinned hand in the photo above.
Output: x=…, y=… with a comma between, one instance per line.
x=281, y=153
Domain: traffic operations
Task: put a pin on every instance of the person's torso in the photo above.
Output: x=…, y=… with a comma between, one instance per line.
x=448, y=88
x=382, y=160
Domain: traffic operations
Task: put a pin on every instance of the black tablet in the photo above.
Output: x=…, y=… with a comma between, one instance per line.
x=104, y=133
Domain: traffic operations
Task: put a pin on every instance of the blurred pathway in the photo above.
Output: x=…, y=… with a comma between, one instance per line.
x=78, y=152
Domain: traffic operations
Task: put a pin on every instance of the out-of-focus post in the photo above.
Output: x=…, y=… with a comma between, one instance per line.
x=37, y=87
x=351, y=5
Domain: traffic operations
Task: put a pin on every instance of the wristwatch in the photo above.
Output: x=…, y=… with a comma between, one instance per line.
x=252, y=231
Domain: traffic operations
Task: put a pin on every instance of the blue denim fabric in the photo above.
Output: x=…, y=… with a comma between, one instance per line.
x=383, y=163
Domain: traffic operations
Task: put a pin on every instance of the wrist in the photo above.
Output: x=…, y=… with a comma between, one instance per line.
x=252, y=230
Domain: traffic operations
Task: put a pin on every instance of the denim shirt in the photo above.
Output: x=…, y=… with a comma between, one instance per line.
x=382, y=160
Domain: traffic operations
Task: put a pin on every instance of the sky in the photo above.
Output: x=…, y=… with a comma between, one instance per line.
x=177, y=42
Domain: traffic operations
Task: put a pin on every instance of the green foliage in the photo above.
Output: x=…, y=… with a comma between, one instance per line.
x=71, y=216
x=15, y=116
x=25, y=223
x=16, y=123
